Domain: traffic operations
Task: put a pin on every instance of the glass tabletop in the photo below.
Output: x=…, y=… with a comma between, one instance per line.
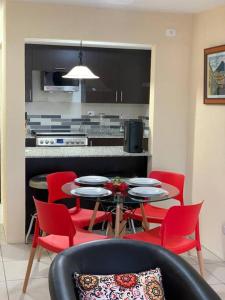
x=125, y=198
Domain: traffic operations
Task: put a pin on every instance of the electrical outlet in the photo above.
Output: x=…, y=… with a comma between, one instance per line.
x=91, y=113
x=171, y=32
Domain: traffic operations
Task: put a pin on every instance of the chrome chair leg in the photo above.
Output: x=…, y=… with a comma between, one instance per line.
x=34, y=216
x=103, y=225
x=132, y=225
x=129, y=225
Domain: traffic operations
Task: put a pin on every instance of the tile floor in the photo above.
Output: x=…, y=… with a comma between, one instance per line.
x=13, y=262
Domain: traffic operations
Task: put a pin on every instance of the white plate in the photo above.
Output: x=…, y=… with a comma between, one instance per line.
x=91, y=192
x=92, y=180
x=147, y=192
x=143, y=181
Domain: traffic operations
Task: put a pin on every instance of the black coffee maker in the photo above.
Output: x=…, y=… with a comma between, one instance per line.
x=133, y=136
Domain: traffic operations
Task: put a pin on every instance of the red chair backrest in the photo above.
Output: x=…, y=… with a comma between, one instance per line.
x=175, y=179
x=54, y=218
x=180, y=221
x=55, y=182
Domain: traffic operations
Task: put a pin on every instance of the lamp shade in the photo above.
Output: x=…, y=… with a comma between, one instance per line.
x=80, y=72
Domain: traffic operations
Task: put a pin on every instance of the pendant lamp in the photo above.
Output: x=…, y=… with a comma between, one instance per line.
x=80, y=71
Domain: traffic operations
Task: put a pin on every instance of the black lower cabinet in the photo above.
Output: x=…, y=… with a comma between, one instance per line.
x=113, y=142
x=129, y=166
x=30, y=142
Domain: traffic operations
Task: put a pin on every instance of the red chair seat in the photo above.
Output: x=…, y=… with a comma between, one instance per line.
x=175, y=244
x=156, y=214
x=56, y=243
x=153, y=214
x=83, y=216
x=55, y=220
x=80, y=216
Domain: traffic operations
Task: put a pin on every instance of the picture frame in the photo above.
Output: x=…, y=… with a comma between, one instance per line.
x=214, y=75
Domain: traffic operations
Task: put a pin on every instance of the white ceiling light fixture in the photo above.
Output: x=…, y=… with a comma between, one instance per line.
x=80, y=71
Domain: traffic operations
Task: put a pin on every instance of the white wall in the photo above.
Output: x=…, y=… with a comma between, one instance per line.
x=169, y=81
x=3, y=111
x=208, y=135
x=75, y=110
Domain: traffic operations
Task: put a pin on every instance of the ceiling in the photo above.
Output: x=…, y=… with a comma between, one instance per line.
x=187, y=6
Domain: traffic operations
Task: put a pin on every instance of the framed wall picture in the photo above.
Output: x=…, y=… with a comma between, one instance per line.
x=214, y=75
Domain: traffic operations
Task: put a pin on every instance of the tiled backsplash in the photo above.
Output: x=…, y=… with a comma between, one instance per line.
x=103, y=124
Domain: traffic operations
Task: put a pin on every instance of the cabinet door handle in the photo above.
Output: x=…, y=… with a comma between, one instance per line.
x=116, y=96
x=121, y=96
x=91, y=143
x=30, y=95
x=60, y=68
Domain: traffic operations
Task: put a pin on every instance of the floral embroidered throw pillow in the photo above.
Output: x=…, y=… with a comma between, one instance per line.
x=140, y=286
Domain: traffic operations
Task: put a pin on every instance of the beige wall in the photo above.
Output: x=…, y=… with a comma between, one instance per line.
x=3, y=111
x=1, y=80
x=209, y=135
x=171, y=71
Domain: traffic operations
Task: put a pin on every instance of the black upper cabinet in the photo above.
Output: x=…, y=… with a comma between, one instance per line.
x=103, y=63
x=54, y=58
x=124, y=76
x=28, y=73
x=134, y=76
x=47, y=58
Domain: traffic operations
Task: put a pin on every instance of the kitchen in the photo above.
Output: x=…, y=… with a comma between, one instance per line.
x=79, y=125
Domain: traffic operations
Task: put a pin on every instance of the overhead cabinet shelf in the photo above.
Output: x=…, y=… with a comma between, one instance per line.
x=124, y=73
x=54, y=58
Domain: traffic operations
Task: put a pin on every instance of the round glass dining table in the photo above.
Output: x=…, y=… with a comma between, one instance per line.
x=123, y=201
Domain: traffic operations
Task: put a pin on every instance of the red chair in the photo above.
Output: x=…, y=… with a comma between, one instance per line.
x=180, y=222
x=80, y=216
x=153, y=213
x=55, y=220
x=55, y=181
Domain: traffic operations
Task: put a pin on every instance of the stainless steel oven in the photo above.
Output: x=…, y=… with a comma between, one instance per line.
x=57, y=139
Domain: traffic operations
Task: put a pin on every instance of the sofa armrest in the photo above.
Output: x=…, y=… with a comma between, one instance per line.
x=61, y=284
x=180, y=280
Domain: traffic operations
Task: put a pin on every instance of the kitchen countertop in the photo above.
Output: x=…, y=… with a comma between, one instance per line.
x=98, y=151
x=93, y=136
